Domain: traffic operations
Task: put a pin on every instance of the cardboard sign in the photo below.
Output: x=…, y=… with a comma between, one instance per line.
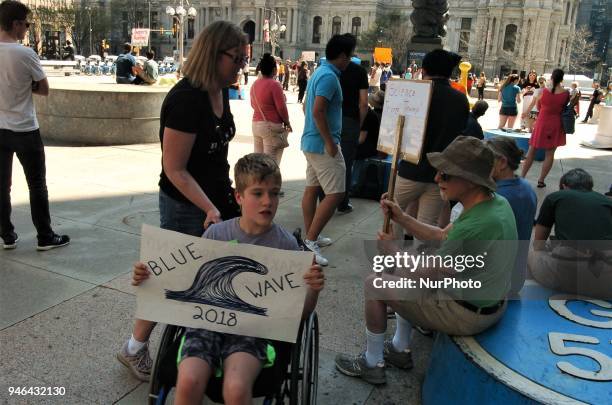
x=222, y=286
x=308, y=56
x=140, y=36
x=411, y=99
x=383, y=55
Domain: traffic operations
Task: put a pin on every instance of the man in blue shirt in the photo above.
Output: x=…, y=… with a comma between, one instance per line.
x=125, y=62
x=320, y=142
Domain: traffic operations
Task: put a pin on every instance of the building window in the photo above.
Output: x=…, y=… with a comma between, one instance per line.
x=190, y=28
x=356, y=27
x=464, y=35
x=336, y=25
x=567, y=12
x=154, y=20
x=493, y=34
x=139, y=19
x=510, y=38
x=316, y=30
x=154, y=24
x=124, y=24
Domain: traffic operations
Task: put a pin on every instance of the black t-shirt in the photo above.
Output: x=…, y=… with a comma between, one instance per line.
x=577, y=215
x=596, y=97
x=352, y=80
x=371, y=125
x=188, y=109
x=534, y=85
x=447, y=118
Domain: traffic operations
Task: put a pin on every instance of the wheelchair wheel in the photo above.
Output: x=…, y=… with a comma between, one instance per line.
x=163, y=374
x=305, y=363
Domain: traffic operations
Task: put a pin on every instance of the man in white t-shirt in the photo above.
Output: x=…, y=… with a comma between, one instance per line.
x=21, y=75
x=375, y=78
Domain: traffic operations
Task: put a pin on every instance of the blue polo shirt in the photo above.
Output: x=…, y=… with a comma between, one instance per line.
x=523, y=201
x=324, y=82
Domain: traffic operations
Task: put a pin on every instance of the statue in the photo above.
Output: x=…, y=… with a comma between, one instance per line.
x=429, y=18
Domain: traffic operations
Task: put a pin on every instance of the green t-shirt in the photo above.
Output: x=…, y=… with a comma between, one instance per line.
x=487, y=227
x=577, y=215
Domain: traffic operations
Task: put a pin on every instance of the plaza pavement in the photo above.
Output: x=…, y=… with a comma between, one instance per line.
x=66, y=312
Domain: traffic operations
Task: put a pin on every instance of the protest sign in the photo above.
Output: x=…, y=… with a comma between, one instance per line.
x=140, y=36
x=222, y=286
x=308, y=56
x=409, y=98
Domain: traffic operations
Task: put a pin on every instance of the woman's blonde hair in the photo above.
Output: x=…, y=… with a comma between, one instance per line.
x=201, y=64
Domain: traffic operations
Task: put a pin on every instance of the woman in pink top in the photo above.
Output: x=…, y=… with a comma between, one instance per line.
x=270, y=116
x=548, y=133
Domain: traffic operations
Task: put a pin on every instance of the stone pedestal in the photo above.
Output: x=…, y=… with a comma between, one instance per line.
x=418, y=50
x=603, y=137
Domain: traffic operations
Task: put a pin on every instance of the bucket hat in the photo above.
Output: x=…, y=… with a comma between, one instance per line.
x=468, y=158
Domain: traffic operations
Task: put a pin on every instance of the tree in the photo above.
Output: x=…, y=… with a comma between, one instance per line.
x=582, y=52
x=90, y=16
x=391, y=30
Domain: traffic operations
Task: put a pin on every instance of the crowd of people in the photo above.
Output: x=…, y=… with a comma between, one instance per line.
x=459, y=171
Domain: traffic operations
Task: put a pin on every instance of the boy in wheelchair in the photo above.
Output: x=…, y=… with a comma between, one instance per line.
x=258, y=183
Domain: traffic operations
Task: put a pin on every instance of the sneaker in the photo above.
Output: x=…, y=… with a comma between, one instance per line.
x=322, y=241
x=398, y=359
x=313, y=247
x=10, y=240
x=139, y=364
x=54, y=242
x=345, y=209
x=355, y=366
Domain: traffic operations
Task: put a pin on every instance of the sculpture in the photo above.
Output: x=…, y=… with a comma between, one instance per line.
x=429, y=18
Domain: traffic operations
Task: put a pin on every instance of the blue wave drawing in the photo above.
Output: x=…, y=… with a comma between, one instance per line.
x=213, y=285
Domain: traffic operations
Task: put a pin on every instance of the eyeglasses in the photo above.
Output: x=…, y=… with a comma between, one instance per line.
x=444, y=176
x=237, y=59
x=27, y=24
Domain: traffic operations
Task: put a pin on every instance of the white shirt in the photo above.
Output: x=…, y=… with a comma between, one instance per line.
x=375, y=79
x=19, y=67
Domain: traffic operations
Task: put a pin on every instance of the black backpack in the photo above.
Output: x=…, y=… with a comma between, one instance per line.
x=370, y=178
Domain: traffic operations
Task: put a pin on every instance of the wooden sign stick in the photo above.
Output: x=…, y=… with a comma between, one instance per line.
x=399, y=135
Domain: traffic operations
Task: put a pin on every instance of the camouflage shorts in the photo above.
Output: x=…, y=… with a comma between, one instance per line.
x=214, y=347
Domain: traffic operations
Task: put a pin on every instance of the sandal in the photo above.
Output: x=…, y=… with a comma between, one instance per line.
x=541, y=184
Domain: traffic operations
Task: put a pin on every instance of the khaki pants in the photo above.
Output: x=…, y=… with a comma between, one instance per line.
x=265, y=141
x=426, y=194
x=436, y=310
x=558, y=270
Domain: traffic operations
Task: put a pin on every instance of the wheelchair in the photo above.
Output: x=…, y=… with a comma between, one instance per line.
x=293, y=375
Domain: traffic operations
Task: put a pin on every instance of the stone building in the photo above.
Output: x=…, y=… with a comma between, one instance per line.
x=52, y=23
x=506, y=34
x=513, y=34
x=306, y=25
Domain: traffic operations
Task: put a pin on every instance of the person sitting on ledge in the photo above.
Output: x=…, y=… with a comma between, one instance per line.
x=125, y=62
x=149, y=73
x=463, y=174
x=568, y=263
x=473, y=128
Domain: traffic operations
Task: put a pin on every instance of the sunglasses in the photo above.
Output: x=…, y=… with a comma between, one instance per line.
x=237, y=59
x=27, y=23
x=445, y=176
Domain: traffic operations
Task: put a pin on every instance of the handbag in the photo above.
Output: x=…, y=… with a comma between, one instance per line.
x=278, y=131
x=568, y=119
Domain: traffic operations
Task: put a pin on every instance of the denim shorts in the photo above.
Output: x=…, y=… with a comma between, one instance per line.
x=180, y=216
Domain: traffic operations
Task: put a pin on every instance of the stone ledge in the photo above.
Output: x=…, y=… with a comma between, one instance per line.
x=90, y=112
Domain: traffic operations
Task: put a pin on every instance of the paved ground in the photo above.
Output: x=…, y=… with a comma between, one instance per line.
x=64, y=313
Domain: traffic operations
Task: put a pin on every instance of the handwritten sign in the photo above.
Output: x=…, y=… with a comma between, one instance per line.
x=308, y=56
x=409, y=98
x=140, y=36
x=221, y=286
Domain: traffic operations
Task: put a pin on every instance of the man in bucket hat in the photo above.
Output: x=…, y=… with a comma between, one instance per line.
x=463, y=174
